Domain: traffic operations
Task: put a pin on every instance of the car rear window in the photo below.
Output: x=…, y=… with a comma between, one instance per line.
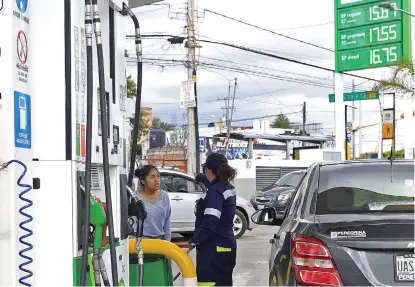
x=366, y=188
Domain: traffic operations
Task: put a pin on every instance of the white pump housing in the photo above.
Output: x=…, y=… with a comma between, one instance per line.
x=42, y=124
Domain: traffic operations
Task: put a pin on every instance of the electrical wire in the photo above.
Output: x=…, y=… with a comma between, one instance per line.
x=270, y=31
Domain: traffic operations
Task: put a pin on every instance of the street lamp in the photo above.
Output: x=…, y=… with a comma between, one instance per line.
x=389, y=6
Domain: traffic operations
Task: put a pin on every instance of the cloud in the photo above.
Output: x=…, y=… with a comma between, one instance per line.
x=161, y=85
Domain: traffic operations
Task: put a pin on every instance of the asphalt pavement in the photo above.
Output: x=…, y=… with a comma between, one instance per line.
x=252, y=258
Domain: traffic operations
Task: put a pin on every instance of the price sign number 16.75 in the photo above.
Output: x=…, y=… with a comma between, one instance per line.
x=389, y=54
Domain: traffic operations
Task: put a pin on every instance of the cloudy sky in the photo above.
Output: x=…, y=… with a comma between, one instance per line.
x=307, y=20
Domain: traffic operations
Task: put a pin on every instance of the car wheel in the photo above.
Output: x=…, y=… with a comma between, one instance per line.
x=187, y=234
x=239, y=224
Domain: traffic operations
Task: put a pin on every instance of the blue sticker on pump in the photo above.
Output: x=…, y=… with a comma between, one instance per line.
x=22, y=120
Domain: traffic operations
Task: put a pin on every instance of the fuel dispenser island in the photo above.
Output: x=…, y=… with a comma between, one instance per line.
x=65, y=163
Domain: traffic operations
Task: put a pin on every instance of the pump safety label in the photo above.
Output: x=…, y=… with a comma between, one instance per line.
x=22, y=120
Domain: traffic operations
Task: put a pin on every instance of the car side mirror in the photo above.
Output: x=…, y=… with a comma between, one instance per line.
x=266, y=216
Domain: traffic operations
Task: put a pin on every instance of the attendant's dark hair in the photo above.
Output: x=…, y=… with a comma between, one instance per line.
x=226, y=173
x=145, y=170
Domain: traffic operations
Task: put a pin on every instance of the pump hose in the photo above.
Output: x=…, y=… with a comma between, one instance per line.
x=22, y=239
x=88, y=153
x=138, y=47
x=104, y=126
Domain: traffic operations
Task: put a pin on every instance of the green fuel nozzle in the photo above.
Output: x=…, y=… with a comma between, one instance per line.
x=98, y=218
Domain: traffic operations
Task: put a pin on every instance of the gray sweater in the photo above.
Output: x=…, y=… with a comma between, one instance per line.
x=157, y=223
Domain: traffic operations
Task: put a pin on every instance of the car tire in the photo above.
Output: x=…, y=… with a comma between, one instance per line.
x=187, y=234
x=239, y=224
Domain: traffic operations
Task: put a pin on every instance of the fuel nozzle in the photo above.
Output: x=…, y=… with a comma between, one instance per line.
x=138, y=210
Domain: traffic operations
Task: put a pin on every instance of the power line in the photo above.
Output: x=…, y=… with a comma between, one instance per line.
x=255, y=51
x=270, y=31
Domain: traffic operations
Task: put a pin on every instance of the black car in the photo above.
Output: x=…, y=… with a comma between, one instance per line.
x=278, y=194
x=349, y=224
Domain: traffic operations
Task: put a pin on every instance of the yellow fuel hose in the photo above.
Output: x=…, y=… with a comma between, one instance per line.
x=172, y=251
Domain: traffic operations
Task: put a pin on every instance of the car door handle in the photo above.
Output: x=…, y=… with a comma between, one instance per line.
x=177, y=198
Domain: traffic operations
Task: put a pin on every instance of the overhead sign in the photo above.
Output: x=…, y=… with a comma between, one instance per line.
x=356, y=96
x=370, y=36
x=387, y=124
x=187, y=94
x=22, y=120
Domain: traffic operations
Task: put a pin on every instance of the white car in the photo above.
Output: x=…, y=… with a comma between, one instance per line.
x=183, y=192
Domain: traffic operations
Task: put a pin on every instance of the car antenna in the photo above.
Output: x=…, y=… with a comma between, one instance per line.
x=391, y=158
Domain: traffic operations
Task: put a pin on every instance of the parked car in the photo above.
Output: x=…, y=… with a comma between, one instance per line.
x=278, y=194
x=348, y=224
x=183, y=192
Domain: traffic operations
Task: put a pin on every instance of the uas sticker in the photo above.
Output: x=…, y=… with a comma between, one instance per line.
x=347, y=234
x=22, y=120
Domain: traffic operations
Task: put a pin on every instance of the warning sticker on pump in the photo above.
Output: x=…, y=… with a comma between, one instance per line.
x=21, y=61
x=347, y=234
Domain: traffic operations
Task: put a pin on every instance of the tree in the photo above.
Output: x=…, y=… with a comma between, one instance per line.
x=281, y=122
x=131, y=88
x=401, y=81
x=157, y=123
x=144, y=126
x=179, y=136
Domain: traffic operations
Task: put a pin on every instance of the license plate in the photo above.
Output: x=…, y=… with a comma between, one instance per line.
x=404, y=267
x=260, y=206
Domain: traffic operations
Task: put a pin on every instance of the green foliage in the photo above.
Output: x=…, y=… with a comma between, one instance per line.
x=157, y=123
x=401, y=81
x=131, y=88
x=399, y=154
x=281, y=122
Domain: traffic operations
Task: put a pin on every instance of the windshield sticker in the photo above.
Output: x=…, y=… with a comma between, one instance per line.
x=347, y=234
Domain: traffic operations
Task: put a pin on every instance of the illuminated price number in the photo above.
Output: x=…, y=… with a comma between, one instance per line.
x=391, y=55
x=380, y=13
x=383, y=33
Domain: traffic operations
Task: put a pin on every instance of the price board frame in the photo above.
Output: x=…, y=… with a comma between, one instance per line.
x=365, y=34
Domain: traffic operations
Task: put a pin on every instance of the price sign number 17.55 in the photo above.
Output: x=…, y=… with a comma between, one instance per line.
x=390, y=54
x=383, y=33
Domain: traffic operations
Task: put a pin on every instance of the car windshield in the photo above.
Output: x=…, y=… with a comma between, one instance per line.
x=366, y=188
x=291, y=179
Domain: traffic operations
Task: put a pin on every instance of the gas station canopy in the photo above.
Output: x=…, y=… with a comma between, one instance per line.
x=139, y=3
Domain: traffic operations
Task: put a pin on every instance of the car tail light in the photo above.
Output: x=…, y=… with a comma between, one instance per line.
x=312, y=262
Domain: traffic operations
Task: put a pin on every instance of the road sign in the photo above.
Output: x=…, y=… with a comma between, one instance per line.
x=370, y=36
x=387, y=124
x=202, y=144
x=187, y=94
x=356, y=96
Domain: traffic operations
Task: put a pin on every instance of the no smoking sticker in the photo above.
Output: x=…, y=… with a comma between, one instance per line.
x=22, y=47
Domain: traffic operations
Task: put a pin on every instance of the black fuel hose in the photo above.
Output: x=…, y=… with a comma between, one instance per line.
x=138, y=47
x=104, y=130
x=89, y=106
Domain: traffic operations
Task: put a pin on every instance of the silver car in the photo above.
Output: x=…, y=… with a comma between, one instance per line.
x=183, y=192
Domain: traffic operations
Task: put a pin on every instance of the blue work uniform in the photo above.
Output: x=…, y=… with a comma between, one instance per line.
x=214, y=238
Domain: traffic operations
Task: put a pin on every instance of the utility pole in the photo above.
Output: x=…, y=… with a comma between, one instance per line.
x=303, y=133
x=192, y=141
x=229, y=126
x=353, y=119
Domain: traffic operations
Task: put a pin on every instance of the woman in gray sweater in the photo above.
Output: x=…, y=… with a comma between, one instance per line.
x=157, y=204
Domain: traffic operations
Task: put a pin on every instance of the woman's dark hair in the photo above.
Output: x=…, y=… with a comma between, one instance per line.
x=145, y=170
x=226, y=173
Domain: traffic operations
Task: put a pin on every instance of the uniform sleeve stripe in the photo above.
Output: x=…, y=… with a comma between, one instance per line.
x=213, y=211
x=228, y=193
